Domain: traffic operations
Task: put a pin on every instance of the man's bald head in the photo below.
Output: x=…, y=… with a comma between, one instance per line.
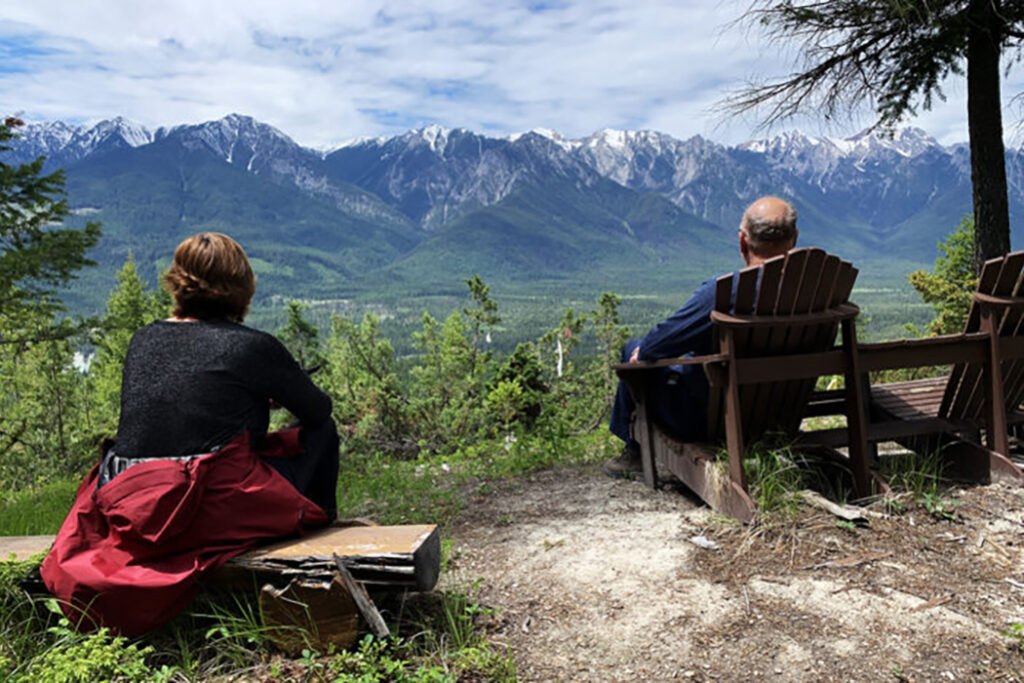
x=769, y=226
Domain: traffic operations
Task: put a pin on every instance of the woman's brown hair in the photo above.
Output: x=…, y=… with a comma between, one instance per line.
x=210, y=278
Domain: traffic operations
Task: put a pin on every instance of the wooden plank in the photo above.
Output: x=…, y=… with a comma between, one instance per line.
x=909, y=353
x=723, y=292
x=1012, y=347
x=1012, y=368
x=640, y=425
x=804, y=339
x=695, y=466
x=810, y=280
x=746, y=292
x=767, y=298
x=20, y=548
x=856, y=414
x=881, y=431
x=768, y=293
x=350, y=541
x=733, y=418
x=626, y=369
x=373, y=553
x=986, y=282
x=781, y=368
x=723, y=303
x=362, y=600
x=643, y=434
x=303, y=614
x=844, y=284
x=830, y=273
x=399, y=556
x=911, y=400
x=833, y=315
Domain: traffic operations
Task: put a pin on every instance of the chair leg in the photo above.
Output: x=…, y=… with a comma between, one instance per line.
x=642, y=428
x=733, y=424
x=856, y=413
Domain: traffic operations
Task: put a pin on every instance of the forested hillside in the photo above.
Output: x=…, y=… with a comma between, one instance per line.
x=414, y=214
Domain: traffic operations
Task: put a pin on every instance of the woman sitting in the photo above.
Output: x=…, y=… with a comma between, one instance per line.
x=194, y=478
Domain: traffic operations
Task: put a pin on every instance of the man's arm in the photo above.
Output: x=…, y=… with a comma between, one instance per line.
x=688, y=330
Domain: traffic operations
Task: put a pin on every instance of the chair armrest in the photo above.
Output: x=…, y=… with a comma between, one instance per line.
x=667, y=362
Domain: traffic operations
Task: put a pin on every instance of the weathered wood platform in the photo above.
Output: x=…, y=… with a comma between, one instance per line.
x=378, y=556
x=303, y=595
x=407, y=556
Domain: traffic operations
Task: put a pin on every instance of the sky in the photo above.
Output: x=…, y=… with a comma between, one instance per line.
x=325, y=72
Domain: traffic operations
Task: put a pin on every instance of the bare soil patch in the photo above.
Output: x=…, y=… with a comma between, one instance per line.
x=595, y=579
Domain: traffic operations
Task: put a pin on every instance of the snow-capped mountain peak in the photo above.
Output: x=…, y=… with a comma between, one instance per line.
x=908, y=142
x=132, y=133
x=549, y=134
x=64, y=143
x=235, y=138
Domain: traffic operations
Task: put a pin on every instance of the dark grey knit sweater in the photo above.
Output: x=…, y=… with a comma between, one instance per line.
x=188, y=387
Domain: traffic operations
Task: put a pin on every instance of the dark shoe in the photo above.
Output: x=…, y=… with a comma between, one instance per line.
x=624, y=466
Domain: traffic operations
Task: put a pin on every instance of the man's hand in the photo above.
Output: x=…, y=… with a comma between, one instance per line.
x=635, y=356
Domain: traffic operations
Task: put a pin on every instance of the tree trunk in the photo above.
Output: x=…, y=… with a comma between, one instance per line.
x=985, y=126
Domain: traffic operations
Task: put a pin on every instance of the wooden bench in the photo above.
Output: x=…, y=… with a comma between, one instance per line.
x=773, y=338
x=313, y=588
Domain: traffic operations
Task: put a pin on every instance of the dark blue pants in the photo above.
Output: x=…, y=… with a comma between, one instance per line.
x=678, y=398
x=314, y=473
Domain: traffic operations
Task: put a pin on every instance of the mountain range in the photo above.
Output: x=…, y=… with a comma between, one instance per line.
x=416, y=213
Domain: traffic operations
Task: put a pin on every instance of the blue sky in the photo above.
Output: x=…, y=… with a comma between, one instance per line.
x=326, y=72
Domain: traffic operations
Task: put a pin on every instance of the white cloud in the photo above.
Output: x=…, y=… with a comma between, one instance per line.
x=324, y=72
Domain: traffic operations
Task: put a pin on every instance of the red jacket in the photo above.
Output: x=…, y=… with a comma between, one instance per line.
x=130, y=555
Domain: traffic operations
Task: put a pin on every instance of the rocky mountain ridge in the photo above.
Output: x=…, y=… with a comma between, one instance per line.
x=433, y=203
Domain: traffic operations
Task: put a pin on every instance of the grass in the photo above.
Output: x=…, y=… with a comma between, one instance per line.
x=776, y=472
x=436, y=637
x=433, y=488
x=37, y=511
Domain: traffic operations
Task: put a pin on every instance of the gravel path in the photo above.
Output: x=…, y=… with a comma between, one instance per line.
x=594, y=579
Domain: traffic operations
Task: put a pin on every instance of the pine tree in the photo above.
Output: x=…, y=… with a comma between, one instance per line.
x=37, y=257
x=894, y=55
x=130, y=306
x=301, y=337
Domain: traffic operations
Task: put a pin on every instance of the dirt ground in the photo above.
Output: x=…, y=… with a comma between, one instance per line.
x=595, y=579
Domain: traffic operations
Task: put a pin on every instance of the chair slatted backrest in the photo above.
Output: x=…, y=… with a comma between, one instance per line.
x=965, y=391
x=806, y=280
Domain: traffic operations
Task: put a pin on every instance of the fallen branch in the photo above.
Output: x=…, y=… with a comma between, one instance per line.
x=850, y=513
x=934, y=602
x=362, y=600
x=847, y=562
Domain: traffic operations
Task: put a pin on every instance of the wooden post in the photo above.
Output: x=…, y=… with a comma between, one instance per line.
x=362, y=600
x=644, y=429
x=856, y=413
x=997, y=438
x=733, y=423
x=641, y=428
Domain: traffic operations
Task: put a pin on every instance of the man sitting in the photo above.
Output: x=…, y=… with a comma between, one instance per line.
x=679, y=395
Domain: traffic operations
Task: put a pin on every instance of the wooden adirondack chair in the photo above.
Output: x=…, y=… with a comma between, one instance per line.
x=773, y=340
x=945, y=414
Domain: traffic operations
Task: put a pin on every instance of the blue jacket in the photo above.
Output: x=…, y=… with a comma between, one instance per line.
x=680, y=396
